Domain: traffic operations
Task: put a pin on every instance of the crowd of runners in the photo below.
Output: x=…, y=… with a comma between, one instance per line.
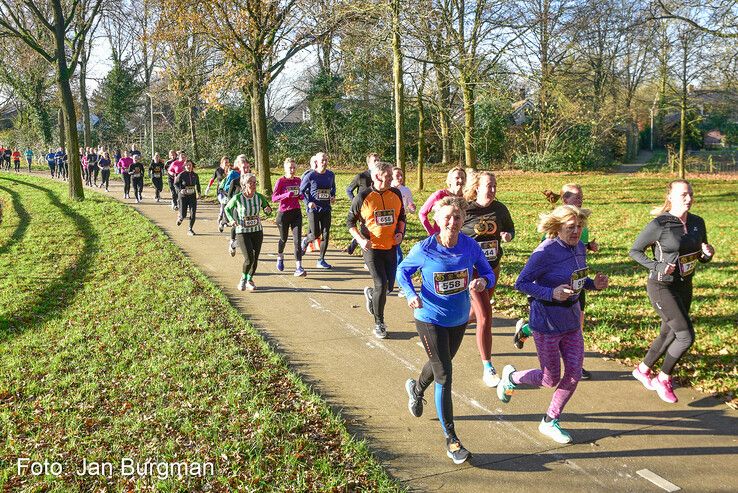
x=459, y=262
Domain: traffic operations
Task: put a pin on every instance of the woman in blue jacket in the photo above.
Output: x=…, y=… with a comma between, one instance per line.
x=553, y=278
x=446, y=261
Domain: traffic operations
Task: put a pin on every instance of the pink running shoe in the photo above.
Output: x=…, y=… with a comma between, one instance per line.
x=644, y=378
x=664, y=389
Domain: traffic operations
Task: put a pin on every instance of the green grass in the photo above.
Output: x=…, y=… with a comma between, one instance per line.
x=620, y=321
x=112, y=345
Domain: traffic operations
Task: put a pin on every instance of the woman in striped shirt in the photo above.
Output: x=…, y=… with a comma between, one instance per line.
x=243, y=211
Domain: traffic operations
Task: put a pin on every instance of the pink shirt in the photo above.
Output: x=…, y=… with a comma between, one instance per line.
x=431, y=228
x=125, y=163
x=287, y=193
x=176, y=168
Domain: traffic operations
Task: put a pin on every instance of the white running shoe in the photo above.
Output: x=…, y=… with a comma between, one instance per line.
x=490, y=378
x=554, y=431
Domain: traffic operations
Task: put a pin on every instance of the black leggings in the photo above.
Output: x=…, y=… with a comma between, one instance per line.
x=250, y=245
x=290, y=221
x=105, y=177
x=138, y=187
x=672, y=302
x=441, y=345
x=94, y=171
x=173, y=190
x=186, y=201
x=17, y=165
x=382, y=265
x=86, y=175
x=126, y=184
x=320, y=227
x=158, y=187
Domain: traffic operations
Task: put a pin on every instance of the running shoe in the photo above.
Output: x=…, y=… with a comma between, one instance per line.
x=190, y=232
x=174, y=206
x=664, y=389
x=401, y=293
x=490, y=378
x=380, y=331
x=242, y=284
x=299, y=272
x=250, y=286
x=221, y=227
x=157, y=200
x=586, y=375
x=644, y=378
x=368, y=295
x=456, y=451
x=322, y=264
x=304, y=245
x=280, y=264
x=179, y=221
x=506, y=387
x=414, y=402
x=553, y=430
x=519, y=338
x=232, y=248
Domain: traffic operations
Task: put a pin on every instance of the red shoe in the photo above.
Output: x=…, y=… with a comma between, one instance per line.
x=664, y=389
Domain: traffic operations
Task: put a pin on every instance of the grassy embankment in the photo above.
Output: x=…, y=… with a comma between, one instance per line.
x=113, y=345
x=620, y=321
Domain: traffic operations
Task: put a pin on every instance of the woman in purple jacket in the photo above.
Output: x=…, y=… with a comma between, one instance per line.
x=553, y=277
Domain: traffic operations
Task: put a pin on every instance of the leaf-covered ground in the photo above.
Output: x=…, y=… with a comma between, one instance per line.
x=113, y=345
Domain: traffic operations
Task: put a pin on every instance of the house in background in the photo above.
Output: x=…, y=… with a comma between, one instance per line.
x=714, y=139
x=296, y=114
x=521, y=111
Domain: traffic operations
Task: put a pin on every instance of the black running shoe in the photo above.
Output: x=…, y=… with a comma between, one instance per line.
x=456, y=451
x=352, y=246
x=414, y=403
x=586, y=375
x=369, y=294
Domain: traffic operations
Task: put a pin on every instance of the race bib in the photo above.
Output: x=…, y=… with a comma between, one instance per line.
x=688, y=263
x=384, y=218
x=323, y=194
x=250, y=221
x=578, y=278
x=490, y=249
x=136, y=175
x=188, y=190
x=294, y=190
x=156, y=175
x=448, y=283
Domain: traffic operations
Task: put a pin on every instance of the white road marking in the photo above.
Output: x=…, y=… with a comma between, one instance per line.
x=658, y=480
x=325, y=287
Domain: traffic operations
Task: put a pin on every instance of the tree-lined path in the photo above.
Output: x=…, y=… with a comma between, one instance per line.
x=319, y=323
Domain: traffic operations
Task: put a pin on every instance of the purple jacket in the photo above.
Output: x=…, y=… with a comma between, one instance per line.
x=551, y=264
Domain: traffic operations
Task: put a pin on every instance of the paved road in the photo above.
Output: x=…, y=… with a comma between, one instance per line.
x=622, y=432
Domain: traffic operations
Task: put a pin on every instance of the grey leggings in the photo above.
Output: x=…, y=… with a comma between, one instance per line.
x=672, y=302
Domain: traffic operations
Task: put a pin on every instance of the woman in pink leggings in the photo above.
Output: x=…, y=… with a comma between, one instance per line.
x=553, y=278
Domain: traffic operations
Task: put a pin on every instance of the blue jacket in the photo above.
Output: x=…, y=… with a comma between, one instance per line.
x=446, y=274
x=551, y=264
x=319, y=188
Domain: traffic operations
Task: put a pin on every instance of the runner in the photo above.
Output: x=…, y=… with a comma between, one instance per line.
x=446, y=260
x=398, y=181
x=175, y=168
x=678, y=241
x=117, y=156
x=29, y=157
x=123, y=165
x=553, y=277
x=156, y=173
x=289, y=217
x=61, y=163
x=6, y=157
x=232, y=185
x=92, y=164
x=380, y=211
x=361, y=182
x=105, y=170
x=187, y=184
x=571, y=194
x=248, y=205
x=85, y=168
x=16, y=160
x=218, y=176
x=455, y=180
x=319, y=189
x=489, y=223
x=51, y=162
x=137, y=177
x=171, y=176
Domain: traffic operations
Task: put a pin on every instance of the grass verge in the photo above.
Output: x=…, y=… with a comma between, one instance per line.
x=113, y=345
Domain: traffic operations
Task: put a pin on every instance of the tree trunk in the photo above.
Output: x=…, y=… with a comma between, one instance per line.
x=193, y=132
x=421, y=133
x=398, y=86
x=62, y=134
x=76, y=192
x=444, y=116
x=83, y=98
x=470, y=153
x=683, y=115
x=261, y=145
